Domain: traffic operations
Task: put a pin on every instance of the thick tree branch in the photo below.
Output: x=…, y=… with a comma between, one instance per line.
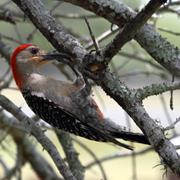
x=48, y=26
x=38, y=134
x=118, y=13
x=29, y=152
x=131, y=28
x=127, y=99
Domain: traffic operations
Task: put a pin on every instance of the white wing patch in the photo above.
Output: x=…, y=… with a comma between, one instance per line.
x=38, y=94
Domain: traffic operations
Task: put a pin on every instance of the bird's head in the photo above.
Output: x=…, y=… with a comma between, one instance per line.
x=26, y=59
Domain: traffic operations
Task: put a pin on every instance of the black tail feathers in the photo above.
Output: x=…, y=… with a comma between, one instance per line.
x=129, y=136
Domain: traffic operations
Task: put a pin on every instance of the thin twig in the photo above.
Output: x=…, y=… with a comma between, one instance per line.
x=118, y=155
x=17, y=167
x=7, y=17
x=39, y=135
x=39, y=164
x=172, y=126
x=134, y=56
x=31, y=35
x=92, y=35
x=133, y=156
x=98, y=163
x=71, y=154
x=169, y=31
x=75, y=16
x=166, y=112
x=131, y=28
x=102, y=37
x=171, y=94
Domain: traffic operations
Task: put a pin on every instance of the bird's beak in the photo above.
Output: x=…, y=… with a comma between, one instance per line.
x=55, y=56
x=44, y=58
x=60, y=57
x=50, y=56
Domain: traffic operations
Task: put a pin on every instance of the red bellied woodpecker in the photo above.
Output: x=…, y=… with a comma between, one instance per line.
x=51, y=99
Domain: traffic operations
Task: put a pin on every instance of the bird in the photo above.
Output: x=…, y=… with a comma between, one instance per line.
x=51, y=99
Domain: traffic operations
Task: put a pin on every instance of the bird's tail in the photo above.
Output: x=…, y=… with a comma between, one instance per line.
x=129, y=136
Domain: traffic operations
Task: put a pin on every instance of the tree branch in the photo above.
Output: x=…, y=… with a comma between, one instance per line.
x=118, y=13
x=71, y=154
x=93, y=155
x=7, y=16
x=39, y=135
x=48, y=26
x=118, y=155
x=131, y=28
x=5, y=51
x=38, y=163
x=155, y=89
x=126, y=98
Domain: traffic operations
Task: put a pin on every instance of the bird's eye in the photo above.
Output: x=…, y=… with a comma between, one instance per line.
x=34, y=50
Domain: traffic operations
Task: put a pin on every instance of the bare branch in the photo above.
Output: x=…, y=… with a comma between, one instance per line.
x=96, y=160
x=131, y=28
x=92, y=35
x=156, y=89
x=158, y=47
x=140, y=59
x=75, y=16
x=118, y=13
x=39, y=135
x=169, y=31
x=48, y=26
x=7, y=16
x=29, y=152
x=117, y=156
x=5, y=51
x=102, y=37
x=71, y=154
x=125, y=98
x=172, y=126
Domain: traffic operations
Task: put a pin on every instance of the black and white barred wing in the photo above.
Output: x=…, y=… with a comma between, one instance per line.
x=58, y=117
